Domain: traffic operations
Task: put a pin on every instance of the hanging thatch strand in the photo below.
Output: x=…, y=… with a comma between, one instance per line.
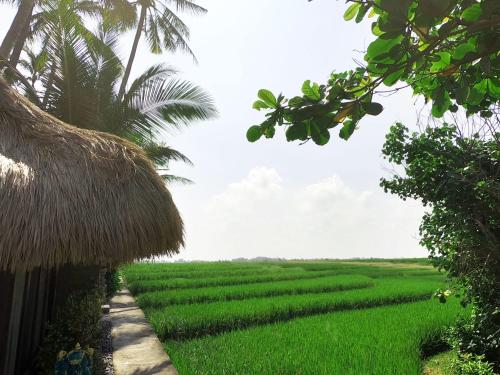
x=69, y=195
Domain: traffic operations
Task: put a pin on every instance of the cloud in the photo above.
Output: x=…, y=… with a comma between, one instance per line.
x=262, y=216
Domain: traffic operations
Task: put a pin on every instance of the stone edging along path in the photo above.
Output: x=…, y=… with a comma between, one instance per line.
x=136, y=349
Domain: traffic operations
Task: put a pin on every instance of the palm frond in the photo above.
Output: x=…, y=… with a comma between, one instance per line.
x=152, y=74
x=68, y=83
x=34, y=63
x=162, y=155
x=188, y=6
x=153, y=35
x=166, y=104
x=120, y=14
x=86, y=8
x=26, y=65
x=175, y=33
x=169, y=178
x=107, y=69
x=175, y=102
x=172, y=22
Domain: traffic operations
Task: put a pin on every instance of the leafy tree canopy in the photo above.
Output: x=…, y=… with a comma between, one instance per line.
x=458, y=178
x=445, y=50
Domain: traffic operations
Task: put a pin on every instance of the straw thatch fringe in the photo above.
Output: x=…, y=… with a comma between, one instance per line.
x=69, y=195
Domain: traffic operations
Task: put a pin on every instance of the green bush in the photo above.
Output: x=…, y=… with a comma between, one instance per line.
x=469, y=364
x=75, y=321
x=113, y=283
x=458, y=178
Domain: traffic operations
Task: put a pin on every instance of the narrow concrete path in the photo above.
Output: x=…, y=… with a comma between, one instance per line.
x=136, y=349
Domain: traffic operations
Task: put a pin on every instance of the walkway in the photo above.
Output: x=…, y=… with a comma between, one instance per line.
x=136, y=349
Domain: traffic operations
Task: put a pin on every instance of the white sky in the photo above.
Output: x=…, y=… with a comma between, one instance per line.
x=274, y=198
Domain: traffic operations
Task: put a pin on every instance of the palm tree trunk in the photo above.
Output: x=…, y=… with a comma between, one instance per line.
x=133, y=52
x=22, y=16
x=20, y=41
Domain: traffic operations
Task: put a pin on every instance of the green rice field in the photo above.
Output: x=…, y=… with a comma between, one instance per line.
x=291, y=317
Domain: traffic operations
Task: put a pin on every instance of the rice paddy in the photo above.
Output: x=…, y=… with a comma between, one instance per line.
x=325, y=317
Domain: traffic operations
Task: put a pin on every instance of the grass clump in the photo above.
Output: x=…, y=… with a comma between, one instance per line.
x=141, y=286
x=379, y=341
x=239, y=292
x=189, y=321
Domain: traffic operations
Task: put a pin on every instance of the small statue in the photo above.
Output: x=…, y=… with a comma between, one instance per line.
x=77, y=362
x=61, y=367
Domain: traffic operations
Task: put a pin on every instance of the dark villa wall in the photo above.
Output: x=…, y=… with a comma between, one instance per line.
x=6, y=288
x=27, y=302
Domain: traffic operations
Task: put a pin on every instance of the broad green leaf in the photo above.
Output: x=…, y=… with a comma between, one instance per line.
x=392, y=25
x=319, y=135
x=441, y=102
x=482, y=86
x=259, y=104
x=361, y=14
x=254, y=133
x=288, y=115
x=397, y=9
x=462, y=50
x=376, y=29
x=478, y=92
x=485, y=65
x=311, y=92
x=297, y=131
x=380, y=46
x=472, y=13
x=434, y=8
x=396, y=52
x=461, y=94
x=475, y=96
x=268, y=97
x=392, y=78
x=442, y=63
x=306, y=87
x=351, y=12
x=296, y=101
x=383, y=59
x=316, y=93
x=347, y=130
x=376, y=69
x=446, y=28
x=392, y=6
x=372, y=108
x=494, y=87
x=269, y=132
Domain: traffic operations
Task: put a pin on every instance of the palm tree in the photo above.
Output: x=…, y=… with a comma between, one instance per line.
x=78, y=81
x=82, y=92
x=60, y=29
x=162, y=28
x=32, y=14
x=18, y=26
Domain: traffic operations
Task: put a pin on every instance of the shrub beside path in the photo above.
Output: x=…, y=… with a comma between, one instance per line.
x=136, y=349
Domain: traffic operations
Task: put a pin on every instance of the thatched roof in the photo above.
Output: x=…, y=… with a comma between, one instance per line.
x=69, y=195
